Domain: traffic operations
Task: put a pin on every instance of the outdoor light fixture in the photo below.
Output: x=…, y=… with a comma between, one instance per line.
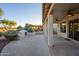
x=69, y=14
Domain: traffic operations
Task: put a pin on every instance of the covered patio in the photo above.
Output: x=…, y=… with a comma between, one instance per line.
x=63, y=20
x=64, y=47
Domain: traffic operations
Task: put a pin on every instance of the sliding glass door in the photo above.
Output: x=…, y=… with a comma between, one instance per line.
x=74, y=29
x=71, y=29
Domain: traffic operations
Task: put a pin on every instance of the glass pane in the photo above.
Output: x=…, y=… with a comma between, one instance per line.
x=63, y=27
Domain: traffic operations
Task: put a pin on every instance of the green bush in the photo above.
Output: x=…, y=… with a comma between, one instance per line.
x=1, y=34
x=10, y=35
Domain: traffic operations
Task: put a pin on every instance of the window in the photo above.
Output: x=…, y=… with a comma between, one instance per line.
x=63, y=27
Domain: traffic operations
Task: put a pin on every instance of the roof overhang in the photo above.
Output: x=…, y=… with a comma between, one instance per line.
x=59, y=10
x=45, y=7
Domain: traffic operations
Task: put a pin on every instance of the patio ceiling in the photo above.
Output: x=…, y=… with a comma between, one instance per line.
x=60, y=10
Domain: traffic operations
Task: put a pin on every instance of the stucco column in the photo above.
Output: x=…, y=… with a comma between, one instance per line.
x=50, y=30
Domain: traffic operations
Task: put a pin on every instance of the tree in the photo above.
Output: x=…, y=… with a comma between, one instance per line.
x=8, y=24
x=28, y=27
x=19, y=27
x=1, y=12
x=5, y=22
x=11, y=23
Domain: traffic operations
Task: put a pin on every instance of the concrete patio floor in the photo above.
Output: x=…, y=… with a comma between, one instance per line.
x=63, y=47
x=37, y=46
x=28, y=46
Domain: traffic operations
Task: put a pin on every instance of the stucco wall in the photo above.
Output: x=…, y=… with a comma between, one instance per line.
x=55, y=28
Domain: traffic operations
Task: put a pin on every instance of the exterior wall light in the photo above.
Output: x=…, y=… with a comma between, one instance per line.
x=70, y=14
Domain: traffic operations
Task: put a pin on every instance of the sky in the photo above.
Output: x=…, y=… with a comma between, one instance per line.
x=22, y=13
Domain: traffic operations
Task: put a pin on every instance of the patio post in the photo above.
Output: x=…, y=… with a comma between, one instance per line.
x=45, y=26
x=50, y=31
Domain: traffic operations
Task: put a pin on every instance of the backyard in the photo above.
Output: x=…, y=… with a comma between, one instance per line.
x=11, y=29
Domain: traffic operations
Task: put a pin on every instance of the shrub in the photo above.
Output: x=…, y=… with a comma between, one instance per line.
x=1, y=34
x=10, y=35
